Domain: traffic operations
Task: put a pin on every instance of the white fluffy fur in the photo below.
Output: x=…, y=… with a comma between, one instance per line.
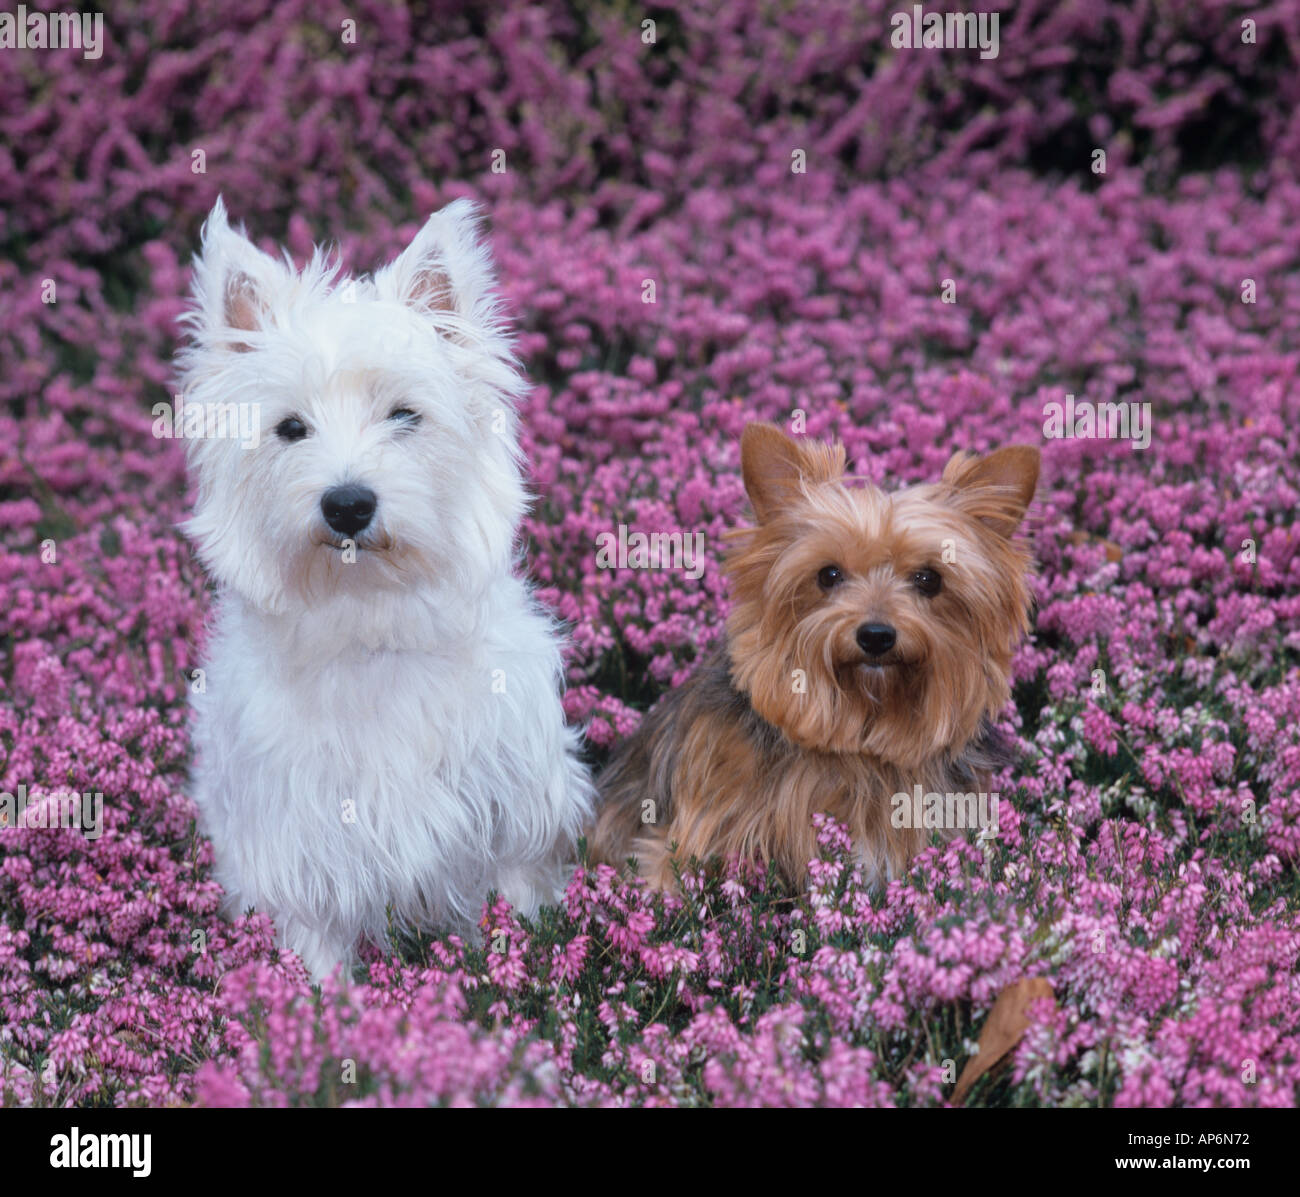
x=388, y=731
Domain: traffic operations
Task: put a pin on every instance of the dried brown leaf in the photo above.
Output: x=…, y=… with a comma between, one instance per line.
x=1003, y=1029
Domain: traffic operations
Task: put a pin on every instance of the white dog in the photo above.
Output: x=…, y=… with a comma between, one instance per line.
x=378, y=723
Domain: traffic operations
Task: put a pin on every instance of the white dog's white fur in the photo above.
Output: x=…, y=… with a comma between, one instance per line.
x=379, y=723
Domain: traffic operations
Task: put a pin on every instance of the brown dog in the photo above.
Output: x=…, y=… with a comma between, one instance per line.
x=869, y=646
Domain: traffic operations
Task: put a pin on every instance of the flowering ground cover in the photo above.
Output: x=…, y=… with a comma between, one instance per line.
x=797, y=192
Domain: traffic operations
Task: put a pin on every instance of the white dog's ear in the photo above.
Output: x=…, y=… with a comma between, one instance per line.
x=445, y=270
x=234, y=282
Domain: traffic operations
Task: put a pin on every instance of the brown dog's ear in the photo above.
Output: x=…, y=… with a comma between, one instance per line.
x=777, y=467
x=995, y=489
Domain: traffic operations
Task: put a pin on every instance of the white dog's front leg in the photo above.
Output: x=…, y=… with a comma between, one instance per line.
x=320, y=951
x=531, y=886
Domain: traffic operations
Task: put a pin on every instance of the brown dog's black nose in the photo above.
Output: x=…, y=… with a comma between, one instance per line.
x=876, y=639
x=348, y=509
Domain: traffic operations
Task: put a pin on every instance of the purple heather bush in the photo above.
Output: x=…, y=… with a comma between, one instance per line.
x=1146, y=864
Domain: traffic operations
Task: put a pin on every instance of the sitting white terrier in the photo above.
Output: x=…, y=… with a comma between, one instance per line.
x=378, y=724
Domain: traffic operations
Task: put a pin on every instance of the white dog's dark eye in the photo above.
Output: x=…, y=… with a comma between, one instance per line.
x=291, y=429
x=829, y=576
x=404, y=414
x=927, y=581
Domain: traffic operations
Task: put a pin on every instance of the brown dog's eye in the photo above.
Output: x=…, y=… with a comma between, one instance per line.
x=927, y=581
x=830, y=576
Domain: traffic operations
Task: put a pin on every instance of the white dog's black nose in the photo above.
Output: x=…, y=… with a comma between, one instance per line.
x=348, y=509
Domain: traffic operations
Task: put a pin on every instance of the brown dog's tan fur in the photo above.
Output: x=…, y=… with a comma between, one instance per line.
x=791, y=717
